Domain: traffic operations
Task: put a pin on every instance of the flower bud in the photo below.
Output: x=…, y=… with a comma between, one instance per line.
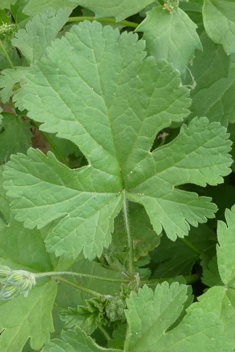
x=14, y=278
x=4, y=271
x=8, y=292
x=27, y=283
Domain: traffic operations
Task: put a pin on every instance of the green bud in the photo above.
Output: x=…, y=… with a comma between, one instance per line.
x=27, y=283
x=8, y=292
x=14, y=278
x=4, y=271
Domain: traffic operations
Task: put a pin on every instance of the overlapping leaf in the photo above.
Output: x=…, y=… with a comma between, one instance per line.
x=34, y=7
x=150, y=314
x=120, y=9
x=217, y=101
x=171, y=36
x=15, y=136
x=32, y=42
x=74, y=341
x=96, y=89
x=219, y=22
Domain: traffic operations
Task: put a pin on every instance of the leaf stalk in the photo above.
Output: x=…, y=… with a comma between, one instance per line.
x=106, y=19
x=79, y=287
x=6, y=54
x=130, y=246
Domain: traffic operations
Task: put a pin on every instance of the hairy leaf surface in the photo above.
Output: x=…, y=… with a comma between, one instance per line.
x=96, y=88
x=219, y=22
x=170, y=35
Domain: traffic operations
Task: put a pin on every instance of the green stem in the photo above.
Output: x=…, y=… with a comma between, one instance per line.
x=191, y=246
x=104, y=332
x=130, y=247
x=79, y=287
x=6, y=54
x=52, y=144
x=189, y=280
x=52, y=273
x=106, y=19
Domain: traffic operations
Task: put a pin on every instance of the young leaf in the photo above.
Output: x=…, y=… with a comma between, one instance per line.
x=74, y=341
x=150, y=314
x=170, y=35
x=95, y=89
x=120, y=9
x=15, y=136
x=219, y=22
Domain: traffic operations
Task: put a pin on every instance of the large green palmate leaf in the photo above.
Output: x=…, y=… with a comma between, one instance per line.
x=219, y=22
x=150, y=316
x=120, y=9
x=25, y=318
x=170, y=35
x=96, y=88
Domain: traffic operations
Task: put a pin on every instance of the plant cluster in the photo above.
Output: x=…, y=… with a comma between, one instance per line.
x=122, y=236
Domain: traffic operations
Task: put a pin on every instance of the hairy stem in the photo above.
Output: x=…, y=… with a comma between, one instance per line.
x=52, y=273
x=6, y=54
x=106, y=19
x=79, y=287
x=104, y=332
x=189, y=280
x=52, y=144
x=191, y=246
x=130, y=247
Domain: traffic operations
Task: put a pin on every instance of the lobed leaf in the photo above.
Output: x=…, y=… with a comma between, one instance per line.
x=150, y=316
x=96, y=89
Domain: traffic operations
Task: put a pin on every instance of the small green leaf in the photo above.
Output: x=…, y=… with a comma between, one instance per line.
x=219, y=22
x=170, y=35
